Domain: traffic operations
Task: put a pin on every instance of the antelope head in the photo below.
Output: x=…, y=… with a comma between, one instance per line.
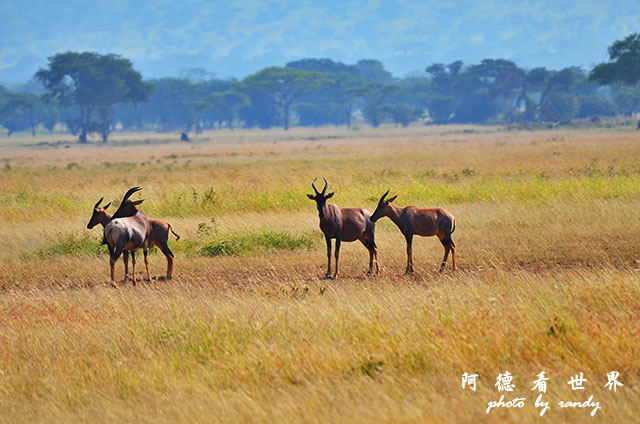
x=128, y=207
x=99, y=215
x=320, y=197
x=383, y=207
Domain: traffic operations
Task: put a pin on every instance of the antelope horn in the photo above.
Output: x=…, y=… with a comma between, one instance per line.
x=313, y=184
x=326, y=184
x=384, y=195
x=98, y=204
x=130, y=192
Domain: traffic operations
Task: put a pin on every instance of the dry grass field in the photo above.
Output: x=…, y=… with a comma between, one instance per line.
x=548, y=236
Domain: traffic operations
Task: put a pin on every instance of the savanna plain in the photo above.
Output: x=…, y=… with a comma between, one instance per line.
x=548, y=278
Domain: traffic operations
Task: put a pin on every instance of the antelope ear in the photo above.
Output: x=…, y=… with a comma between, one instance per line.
x=328, y=196
x=106, y=206
x=311, y=196
x=392, y=199
x=137, y=202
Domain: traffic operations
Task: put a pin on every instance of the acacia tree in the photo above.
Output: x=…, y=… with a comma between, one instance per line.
x=503, y=82
x=443, y=101
x=623, y=68
x=20, y=112
x=284, y=86
x=404, y=114
x=350, y=89
x=374, y=99
x=624, y=64
x=92, y=83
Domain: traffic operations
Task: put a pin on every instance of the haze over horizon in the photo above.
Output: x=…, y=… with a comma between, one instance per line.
x=234, y=39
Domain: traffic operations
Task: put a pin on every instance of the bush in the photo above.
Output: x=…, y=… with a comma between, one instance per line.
x=559, y=107
x=70, y=244
x=596, y=105
x=242, y=244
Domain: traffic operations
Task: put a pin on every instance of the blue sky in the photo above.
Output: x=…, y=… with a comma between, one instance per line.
x=236, y=38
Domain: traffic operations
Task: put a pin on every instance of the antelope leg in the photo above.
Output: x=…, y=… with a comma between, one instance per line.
x=409, y=238
x=328, y=274
x=125, y=259
x=453, y=255
x=112, y=265
x=133, y=267
x=169, y=255
x=338, y=241
x=146, y=263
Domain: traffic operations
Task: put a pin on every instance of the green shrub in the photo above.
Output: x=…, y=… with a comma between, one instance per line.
x=70, y=244
x=242, y=244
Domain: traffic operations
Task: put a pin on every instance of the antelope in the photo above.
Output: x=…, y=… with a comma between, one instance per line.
x=128, y=230
x=159, y=236
x=344, y=224
x=423, y=222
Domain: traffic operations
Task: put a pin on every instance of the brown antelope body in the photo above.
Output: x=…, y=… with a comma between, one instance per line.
x=344, y=224
x=422, y=222
x=159, y=236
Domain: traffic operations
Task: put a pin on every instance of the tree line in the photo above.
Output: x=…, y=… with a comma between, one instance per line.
x=92, y=93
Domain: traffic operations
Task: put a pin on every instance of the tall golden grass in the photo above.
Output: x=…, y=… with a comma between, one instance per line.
x=547, y=237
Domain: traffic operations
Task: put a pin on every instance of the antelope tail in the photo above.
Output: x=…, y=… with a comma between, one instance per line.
x=174, y=233
x=453, y=228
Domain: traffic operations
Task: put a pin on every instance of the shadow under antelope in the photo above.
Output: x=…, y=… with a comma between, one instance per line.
x=422, y=222
x=344, y=224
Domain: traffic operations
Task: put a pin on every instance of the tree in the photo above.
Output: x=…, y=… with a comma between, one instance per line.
x=445, y=95
x=224, y=106
x=333, y=103
x=624, y=63
x=284, y=86
x=374, y=105
x=326, y=66
x=404, y=114
x=596, y=104
x=20, y=112
x=176, y=103
x=373, y=71
x=313, y=114
x=48, y=114
x=92, y=83
x=534, y=85
x=559, y=101
x=344, y=94
x=559, y=106
x=627, y=98
x=348, y=98
x=498, y=85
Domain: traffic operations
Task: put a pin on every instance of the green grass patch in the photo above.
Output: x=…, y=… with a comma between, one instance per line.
x=245, y=244
x=69, y=244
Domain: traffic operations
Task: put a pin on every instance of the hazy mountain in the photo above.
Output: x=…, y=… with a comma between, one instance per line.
x=235, y=38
